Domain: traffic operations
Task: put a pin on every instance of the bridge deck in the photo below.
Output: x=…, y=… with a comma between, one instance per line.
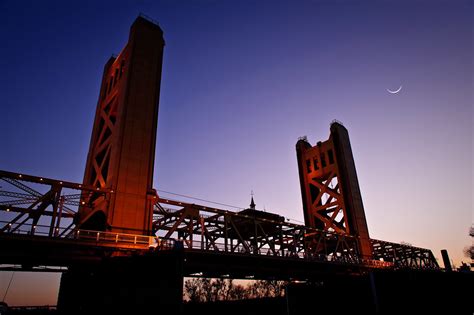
x=27, y=252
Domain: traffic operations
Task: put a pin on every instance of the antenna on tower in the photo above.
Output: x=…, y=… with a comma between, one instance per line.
x=252, y=203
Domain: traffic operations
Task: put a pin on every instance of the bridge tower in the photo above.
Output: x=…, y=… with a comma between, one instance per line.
x=120, y=159
x=122, y=147
x=330, y=189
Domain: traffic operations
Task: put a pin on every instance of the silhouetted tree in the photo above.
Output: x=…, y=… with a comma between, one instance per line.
x=223, y=288
x=238, y=292
x=469, y=251
x=211, y=290
x=193, y=290
x=263, y=288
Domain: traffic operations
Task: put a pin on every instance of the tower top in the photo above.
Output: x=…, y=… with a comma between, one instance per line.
x=149, y=19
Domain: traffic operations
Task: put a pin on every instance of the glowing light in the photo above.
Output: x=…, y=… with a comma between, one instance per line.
x=299, y=281
x=395, y=91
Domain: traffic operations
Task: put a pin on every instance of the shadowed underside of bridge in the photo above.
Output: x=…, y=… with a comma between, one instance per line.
x=103, y=278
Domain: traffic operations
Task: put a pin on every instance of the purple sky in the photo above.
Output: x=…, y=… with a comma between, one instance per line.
x=242, y=80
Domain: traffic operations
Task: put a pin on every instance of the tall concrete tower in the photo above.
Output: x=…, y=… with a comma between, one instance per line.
x=122, y=147
x=330, y=189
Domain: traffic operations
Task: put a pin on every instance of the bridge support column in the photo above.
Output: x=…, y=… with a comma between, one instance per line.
x=139, y=285
x=385, y=292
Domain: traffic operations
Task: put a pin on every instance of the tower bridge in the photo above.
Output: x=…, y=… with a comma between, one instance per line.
x=48, y=216
x=120, y=240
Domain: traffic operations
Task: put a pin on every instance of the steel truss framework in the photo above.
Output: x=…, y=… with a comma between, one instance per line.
x=325, y=201
x=41, y=206
x=219, y=230
x=404, y=256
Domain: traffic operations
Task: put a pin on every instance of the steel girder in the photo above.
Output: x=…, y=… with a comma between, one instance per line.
x=36, y=205
x=205, y=228
x=404, y=256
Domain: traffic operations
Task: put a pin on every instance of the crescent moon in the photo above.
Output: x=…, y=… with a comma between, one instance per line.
x=396, y=91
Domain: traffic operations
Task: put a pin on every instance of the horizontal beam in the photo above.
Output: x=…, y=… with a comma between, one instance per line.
x=52, y=182
x=24, y=210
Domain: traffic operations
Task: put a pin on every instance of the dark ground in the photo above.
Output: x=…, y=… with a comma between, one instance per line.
x=400, y=292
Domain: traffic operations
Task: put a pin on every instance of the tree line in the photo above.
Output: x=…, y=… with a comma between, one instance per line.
x=203, y=290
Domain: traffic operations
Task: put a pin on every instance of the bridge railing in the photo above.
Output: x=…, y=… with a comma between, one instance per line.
x=196, y=245
x=98, y=237
x=380, y=264
x=123, y=239
x=111, y=238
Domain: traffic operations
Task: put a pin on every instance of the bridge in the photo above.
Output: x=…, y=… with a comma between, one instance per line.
x=43, y=214
x=114, y=238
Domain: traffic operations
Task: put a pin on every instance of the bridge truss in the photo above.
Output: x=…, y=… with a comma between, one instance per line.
x=45, y=207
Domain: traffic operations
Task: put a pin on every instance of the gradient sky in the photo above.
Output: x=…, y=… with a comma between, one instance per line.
x=242, y=80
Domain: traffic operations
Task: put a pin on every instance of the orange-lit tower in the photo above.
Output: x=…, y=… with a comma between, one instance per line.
x=330, y=188
x=122, y=147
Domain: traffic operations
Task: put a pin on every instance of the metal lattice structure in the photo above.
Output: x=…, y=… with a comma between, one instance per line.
x=42, y=206
x=330, y=189
x=38, y=206
x=249, y=232
x=404, y=256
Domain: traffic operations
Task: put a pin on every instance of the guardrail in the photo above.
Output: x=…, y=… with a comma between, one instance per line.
x=121, y=239
x=97, y=237
x=378, y=263
x=110, y=237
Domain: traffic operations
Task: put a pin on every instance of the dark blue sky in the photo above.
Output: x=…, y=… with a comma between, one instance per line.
x=242, y=80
